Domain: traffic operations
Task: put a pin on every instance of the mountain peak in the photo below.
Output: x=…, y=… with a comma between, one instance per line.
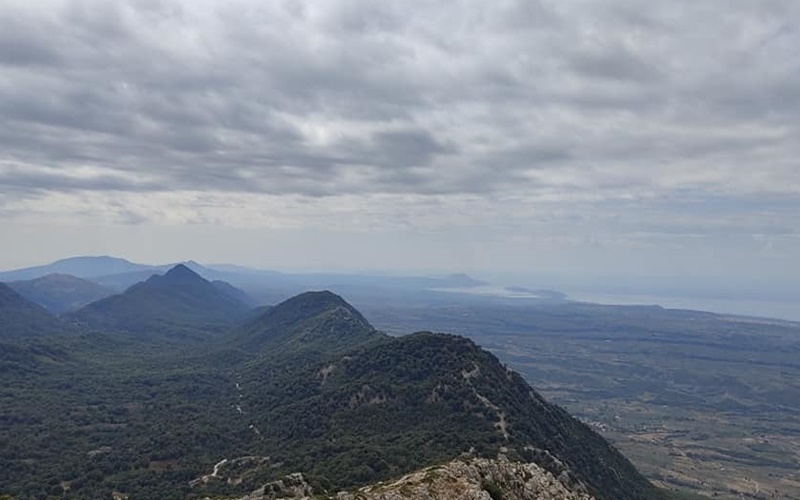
x=318, y=321
x=169, y=303
x=322, y=299
x=180, y=274
x=317, y=303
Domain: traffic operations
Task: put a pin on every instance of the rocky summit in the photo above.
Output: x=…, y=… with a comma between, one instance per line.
x=461, y=479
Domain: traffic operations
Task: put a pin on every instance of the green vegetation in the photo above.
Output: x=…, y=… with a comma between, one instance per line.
x=312, y=322
x=492, y=489
x=697, y=401
x=179, y=304
x=307, y=386
x=416, y=401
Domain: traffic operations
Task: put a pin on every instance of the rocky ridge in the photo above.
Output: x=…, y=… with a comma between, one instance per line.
x=462, y=479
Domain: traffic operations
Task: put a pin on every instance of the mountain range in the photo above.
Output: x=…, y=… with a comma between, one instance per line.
x=157, y=389
x=261, y=286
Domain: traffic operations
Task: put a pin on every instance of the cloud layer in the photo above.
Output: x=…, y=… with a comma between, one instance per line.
x=619, y=120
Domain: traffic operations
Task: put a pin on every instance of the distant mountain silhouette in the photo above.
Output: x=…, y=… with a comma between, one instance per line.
x=60, y=292
x=112, y=272
x=178, y=302
x=21, y=318
x=82, y=267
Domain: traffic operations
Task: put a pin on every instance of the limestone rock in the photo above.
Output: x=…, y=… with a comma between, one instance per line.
x=472, y=479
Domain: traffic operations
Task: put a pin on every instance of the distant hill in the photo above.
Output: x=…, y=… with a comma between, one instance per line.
x=60, y=292
x=81, y=267
x=312, y=321
x=21, y=318
x=178, y=302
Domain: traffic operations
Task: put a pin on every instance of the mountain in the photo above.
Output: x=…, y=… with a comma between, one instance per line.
x=178, y=302
x=81, y=267
x=21, y=318
x=60, y=292
x=418, y=400
x=121, y=281
x=313, y=321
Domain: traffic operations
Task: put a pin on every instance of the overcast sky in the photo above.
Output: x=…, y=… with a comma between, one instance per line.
x=613, y=137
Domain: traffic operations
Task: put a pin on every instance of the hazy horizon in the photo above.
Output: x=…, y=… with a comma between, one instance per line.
x=712, y=294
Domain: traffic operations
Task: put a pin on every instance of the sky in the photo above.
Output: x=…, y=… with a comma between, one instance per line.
x=592, y=139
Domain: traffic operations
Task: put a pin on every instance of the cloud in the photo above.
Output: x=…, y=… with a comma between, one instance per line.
x=240, y=93
x=537, y=113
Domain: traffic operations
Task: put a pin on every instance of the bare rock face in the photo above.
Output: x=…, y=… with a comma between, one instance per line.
x=472, y=479
x=291, y=486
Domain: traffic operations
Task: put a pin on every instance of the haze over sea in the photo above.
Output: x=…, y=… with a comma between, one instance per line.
x=777, y=309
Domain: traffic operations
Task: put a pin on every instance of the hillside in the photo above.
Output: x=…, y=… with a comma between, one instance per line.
x=179, y=302
x=21, y=318
x=60, y=292
x=419, y=400
x=320, y=322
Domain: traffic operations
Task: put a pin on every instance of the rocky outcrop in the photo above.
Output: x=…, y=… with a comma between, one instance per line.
x=291, y=486
x=470, y=479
